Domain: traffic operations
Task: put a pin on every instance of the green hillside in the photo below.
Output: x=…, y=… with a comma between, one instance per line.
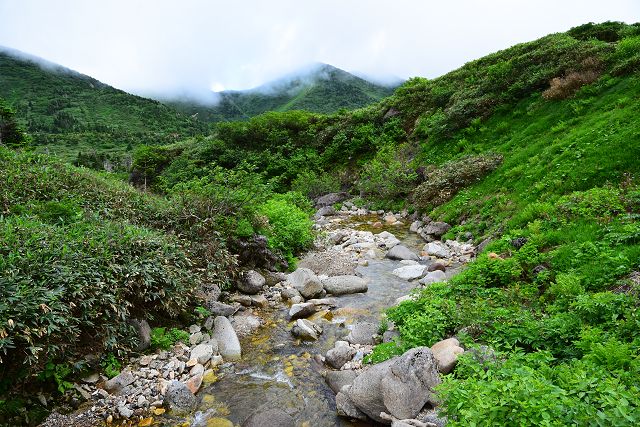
x=323, y=89
x=67, y=112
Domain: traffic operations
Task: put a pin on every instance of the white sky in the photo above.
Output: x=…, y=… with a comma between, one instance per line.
x=162, y=46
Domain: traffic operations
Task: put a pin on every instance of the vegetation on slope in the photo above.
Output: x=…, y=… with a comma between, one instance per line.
x=69, y=113
x=324, y=89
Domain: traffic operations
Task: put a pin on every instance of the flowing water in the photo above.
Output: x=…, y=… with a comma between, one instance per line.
x=280, y=371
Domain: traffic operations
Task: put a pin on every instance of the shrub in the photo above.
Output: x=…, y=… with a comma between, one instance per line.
x=91, y=278
x=388, y=175
x=564, y=87
x=600, y=203
x=314, y=184
x=443, y=183
x=289, y=227
x=163, y=338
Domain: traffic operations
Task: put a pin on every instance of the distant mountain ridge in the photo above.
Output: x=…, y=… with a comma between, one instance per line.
x=321, y=88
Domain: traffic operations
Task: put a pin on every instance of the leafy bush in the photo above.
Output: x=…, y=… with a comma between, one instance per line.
x=383, y=352
x=289, y=227
x=163, y=338
x=528, y=390
x=388, y=175
x=443, y=183
x=601, y=203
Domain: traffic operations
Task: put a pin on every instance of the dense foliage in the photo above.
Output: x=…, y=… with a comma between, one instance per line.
x=82, y=254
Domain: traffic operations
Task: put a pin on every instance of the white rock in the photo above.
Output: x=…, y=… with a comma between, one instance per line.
x=409, y=272
x=437, y=249
x=228, y=343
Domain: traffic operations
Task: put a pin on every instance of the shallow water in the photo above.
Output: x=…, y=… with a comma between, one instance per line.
x=279, y=371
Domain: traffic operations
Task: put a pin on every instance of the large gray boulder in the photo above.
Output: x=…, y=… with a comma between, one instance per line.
x=269, y=417
x=221, y=309
x=401, y=252
x=119, y=382
x=342, y=285
x=345, y=406
x=330, y=199
x=228, y=343
x=299, y=311
x=338, y=356
x=143, y=333
x=251, y=282
x=338, y=379
x=363, y=333
x=436, y=229
x=325, y=211
x=410, y=383
x=179, y=398
x=306, y=282
x=400, y=386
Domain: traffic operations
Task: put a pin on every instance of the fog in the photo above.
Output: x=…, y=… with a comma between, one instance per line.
x=188, y=48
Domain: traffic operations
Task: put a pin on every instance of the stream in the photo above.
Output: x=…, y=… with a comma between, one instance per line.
x=277, y=370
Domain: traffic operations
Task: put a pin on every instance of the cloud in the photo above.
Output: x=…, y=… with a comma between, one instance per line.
x=189, y=46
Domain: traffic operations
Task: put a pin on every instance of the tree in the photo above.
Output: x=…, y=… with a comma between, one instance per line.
x=10, y=132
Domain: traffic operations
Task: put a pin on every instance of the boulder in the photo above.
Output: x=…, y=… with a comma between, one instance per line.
x=203, y=352
x=269, y=417
x=289, y=293
x=363, y=333
x=325, y=211
x=446, y=354
x=228, y=343
x=401, y=252
x=179, y=398
x=330, y=199
x=400, y=386
x=298, y=311
x=436, y=229
x=433, y=277
x=338, y=356
x=415, y=226
x=410, y=272
x=220, y=309
x=365, y=393
x=338, y=379
x=342, y=285
x=274, y=277
x=391, y=335
x=143, y=333
x=306, y=282
x=306, y=330
x=251, y=282
x=346, y=408
x=437, y=249
x=119, y=382
x=246, y=324
x=437, y=265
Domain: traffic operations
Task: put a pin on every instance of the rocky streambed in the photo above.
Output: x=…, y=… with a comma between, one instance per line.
x=288, y=349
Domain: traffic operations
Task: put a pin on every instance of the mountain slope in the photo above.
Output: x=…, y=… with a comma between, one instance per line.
x=71, y=112
x=321, y=89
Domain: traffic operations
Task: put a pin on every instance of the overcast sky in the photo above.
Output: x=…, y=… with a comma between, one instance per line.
x=195, y=45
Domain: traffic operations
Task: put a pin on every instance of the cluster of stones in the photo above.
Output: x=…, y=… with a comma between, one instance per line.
x=165, y=380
